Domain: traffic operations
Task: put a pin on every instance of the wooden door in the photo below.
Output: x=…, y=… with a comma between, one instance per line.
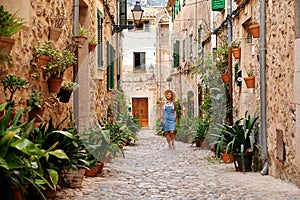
x=140, y=110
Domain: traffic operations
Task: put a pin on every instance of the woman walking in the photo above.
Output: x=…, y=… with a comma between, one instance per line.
x=168, y=119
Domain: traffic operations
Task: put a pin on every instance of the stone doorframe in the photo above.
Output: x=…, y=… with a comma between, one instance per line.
x=297, y=79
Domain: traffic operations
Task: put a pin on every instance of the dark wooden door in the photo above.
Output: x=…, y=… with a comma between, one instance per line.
x=140, y=110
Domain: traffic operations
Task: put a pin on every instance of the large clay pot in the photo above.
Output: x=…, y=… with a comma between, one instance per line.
x=250, y=82
x=6, y=44
x=243, y=164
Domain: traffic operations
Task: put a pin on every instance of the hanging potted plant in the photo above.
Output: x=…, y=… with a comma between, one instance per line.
x=250, y=80
x=82, y=36
x=34, y=106
x=66, y=90
x=254, y=28
x=57, y=67
x=236, y=48
x=58, y=21
x=10, y=24
x=221, y=60
x=43, y=53
x=92, y=44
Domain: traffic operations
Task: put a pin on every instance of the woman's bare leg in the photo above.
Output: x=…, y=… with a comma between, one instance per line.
x=172, y=137
x=168, y=137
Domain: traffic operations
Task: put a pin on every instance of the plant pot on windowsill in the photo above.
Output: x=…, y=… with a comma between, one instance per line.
x=236, y=53
x=254, y=30
x=54, y=33
x=6, y=44
x=250, y=82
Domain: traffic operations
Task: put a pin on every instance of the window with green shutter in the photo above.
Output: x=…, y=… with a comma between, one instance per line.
x=176, y=54
x=199, y=38
x=110, y=66
x=217, y=5
x=100, y=39
x=123, y=13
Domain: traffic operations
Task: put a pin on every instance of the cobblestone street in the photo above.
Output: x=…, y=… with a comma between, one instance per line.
x=153, y=171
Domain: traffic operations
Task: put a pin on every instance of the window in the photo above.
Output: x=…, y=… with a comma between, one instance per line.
x=100, y=40
x=140, y=26
x=139, y=61
x=199, y=39
x=147, y=26
x=191, y=45
x=110, y=66
x=130, y=26
x=176, y=54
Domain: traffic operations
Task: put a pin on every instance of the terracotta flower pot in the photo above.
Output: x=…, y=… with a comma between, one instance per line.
x=92, y=172
x=225, y=77
x=92, y=46
x=54, y=84
x=254, y=29
x=42, y=60
x=6, y=44
x=36, y=114
x=54, y=33
x=236, y=53
x=227, y=158
x=250, y=82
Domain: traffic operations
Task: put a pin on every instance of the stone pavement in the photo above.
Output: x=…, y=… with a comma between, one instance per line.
x=150, y=170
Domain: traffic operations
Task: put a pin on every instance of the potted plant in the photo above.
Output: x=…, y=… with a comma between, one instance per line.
x=10, y=24
x=58, y=20
x=34, y=105
x=43, y=53
x=56, y=68
x=201, y=131
x=82, y=36
x=221, y=60
x=236, y=48
x=92, y=44
x=250, y=79
x=241, y=140
x=254, y=28
x=66, y=91
x=12, y=84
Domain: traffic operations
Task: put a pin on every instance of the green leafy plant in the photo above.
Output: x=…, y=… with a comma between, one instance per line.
x=221, y=58
x=83, y=31
x=235, y=44
x=250, y=71
x=9, y=23
x=59, y=63
x=13, y=84
x=34, y=101
x=93, y=40
x=71, y=86
x=241, y=136
x=45, y=48
x=253, y=22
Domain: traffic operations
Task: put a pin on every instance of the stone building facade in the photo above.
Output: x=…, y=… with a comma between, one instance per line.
x=89, y=103
x=140, y=70
x=282, y=69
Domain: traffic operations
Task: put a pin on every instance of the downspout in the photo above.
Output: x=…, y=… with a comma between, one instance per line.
x=262, y=54
x=229, y=34
x=75, y=67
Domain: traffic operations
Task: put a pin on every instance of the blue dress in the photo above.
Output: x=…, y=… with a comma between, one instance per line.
x=169, y=120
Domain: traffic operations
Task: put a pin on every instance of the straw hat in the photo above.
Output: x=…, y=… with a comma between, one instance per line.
x=173, y=94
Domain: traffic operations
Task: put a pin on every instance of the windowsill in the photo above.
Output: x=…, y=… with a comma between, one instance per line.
x=139, y=70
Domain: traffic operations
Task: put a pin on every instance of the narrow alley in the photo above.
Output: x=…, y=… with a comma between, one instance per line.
x=152, y=171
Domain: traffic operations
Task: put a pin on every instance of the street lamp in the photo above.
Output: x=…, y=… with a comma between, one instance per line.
x=137, y=12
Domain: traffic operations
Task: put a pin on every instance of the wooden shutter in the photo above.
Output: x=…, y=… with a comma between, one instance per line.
x=176, y=54
x=217, y=5
x=110, y=66
x=123, y=12
x=100, y=41
x=183, y=49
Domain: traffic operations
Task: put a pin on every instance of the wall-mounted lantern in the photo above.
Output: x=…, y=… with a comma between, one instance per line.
x=137, y=14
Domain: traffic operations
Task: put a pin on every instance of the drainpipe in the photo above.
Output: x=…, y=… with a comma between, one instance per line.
x=262, y=54
x=75, y=68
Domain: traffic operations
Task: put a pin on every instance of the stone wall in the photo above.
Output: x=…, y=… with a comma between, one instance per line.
x=39, y=17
